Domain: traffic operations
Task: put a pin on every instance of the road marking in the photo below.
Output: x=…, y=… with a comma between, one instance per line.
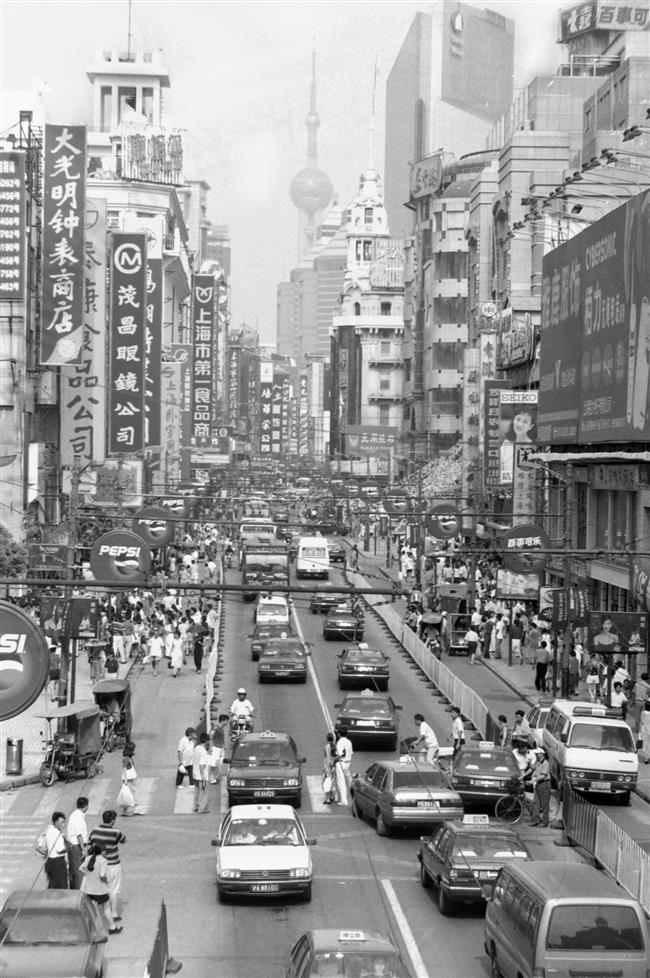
x=419, y=967
x=51, y=801
x=97, y=794
x=184, y=800
x=7, y=800
x=314, y=678
x=143, y=791
x=316, y=796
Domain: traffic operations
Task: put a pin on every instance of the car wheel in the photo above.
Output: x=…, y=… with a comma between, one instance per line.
x=445, y=905
x=297, y=801
x=495, y=970
x=624, y=798
x=222, y=895
x=383, y=829
x=425, y=879
x=305, y=896
x=47, y=775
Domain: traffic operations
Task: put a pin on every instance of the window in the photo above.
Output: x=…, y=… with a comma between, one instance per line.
x=367, y=250
x=386, y=308
x=357, y=306
x=367, y=215
x=384, y=384
x=127, y=101
x=384, y=348
x=447, y=356
x=384, y=414
x=106, y=108
x=594, y=927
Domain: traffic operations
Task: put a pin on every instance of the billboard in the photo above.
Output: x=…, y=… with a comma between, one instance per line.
x=203, y=365
x=370, y=439
x=266, y=407
x=595, y=332
x=614, y=15
x=64, y=206
x=614, y=632
x=12, y=224
x=492, y=444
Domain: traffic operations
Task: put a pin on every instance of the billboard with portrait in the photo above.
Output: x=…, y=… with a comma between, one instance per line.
x=614, y=632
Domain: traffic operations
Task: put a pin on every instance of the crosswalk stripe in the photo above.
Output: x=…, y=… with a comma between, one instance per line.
x=143, y=793
x=184, y=800
x=98, y=796
x=316, y=795
x=7, y=800
x=50, y=802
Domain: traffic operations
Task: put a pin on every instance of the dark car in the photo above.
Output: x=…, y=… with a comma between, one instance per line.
x=368, y=716
x=404, y=792
x=323, y=601
x=362, y=668
x=336, y=551
x=463, y=859
x=326, y=527
x=483, y=774
x=344, y=953
x=51, y=933
x=265, y=766
x=261, y=635
x=342, y=622
x=283, y=658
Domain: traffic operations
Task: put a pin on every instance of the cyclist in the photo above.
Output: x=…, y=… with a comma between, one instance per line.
x=228, y=550
x=525, y=759
x=541, y=781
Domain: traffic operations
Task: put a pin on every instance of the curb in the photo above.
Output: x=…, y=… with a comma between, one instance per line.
x=530, y=700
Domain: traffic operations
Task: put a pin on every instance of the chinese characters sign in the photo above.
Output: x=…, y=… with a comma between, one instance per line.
x=370, y=440
x=493, y=438
x=233, y=386
x=266, y=407
x=127, y=343
x=597, y=16
x=64, y=191
x=156, y=159
x=203, y=325
x=12, y=225
x=595, y=343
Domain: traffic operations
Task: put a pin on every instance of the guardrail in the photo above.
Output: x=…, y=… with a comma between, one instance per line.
x=213, y=658
x=617, y=852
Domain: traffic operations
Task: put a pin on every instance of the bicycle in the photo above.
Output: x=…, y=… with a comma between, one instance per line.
x=511, y=807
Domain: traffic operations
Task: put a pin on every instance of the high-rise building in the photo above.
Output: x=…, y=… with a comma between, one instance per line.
x=450, y=80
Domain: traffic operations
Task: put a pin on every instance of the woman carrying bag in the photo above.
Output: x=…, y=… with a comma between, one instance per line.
x=94, y=884
x=330, y=758
x=126, y=797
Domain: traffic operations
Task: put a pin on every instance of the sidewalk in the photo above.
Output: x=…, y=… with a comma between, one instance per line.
x=502, y=688
x=31, y=728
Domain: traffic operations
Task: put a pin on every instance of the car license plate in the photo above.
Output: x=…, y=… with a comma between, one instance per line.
x=365, y=723
x=601, y=785
x=488, y=875
x=429, y=804
x=481, y=784
x=265, y=887
x=263, y=794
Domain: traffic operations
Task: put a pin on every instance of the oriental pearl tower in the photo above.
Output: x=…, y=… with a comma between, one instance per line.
x=310, y=189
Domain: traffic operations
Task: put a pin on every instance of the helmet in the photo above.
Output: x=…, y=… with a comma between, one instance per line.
x=241, y=690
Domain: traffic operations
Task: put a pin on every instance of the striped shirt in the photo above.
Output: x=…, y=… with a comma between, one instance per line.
x=109, y=839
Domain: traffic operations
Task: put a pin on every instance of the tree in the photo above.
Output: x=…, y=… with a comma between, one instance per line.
x=13, y=556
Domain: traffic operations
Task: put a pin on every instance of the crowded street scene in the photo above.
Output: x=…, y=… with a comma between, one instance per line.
x=325, y=490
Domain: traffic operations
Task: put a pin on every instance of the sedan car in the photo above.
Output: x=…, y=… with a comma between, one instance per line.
x=284, y=659
x=340, y=953
x=326, y=600
x=336, y=550
x=360, y=667
x=265, y=765
x=368, y=716
x=342, y=622
x=483, y=774
x=261, y=635
x=51, y=933
x=463, y=859
x=263, y=850
x=402, y=793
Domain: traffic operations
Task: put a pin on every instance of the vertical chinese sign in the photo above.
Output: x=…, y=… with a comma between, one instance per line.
x=64, y=192
x=12, y=225
x=276, y=415
x=127, y=343
x=266, y=406
x=153, y=346
x=491, y=419
x=303, y=417
x=287, y=405
x=83, y=385
x=233, y=387
x=203, y=326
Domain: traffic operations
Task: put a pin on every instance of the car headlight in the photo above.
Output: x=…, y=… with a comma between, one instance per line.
x=301, y=873
x=236, y=783
x=230, y=874
x=291, y=782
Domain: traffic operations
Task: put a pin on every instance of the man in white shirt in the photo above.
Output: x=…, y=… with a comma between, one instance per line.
x=426, y=738
x=241, y=706
x=56, y=862
x=457, y=730
x=201, y=774
x=76, y=833
x=618, y=699
x=185, y=752
x=342, y=767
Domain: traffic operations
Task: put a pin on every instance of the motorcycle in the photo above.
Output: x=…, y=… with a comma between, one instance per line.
x=228, y=558
x=239, y=725
x=73, y=748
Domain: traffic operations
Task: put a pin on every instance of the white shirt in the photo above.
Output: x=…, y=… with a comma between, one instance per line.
x=344, y=750
x=185, y=749
x=430, y=739
x=458, y=729
x=242, y=708
x=55, y=842
x=76, y=827
x=200, y=760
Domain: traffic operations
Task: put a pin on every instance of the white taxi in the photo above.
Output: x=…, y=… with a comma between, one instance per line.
x=272, y=609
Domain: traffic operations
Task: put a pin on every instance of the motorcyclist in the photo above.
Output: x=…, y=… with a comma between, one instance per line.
x=228, y=550
x=241, y=707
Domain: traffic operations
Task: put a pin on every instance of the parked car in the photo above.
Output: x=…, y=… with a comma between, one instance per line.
x=265, y=765
x=537, y=720
x=283, y=658
x=347, y=952
x=363, y=668
x=368, y=716
x=404, y=792
x=483, y=774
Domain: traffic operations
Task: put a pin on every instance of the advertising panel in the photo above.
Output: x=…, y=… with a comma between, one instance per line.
x=64, y=206
x=81, y=617
x=370, y=439
x=595, y=332
x=181, y=353
x=24, y=661
x=604, y=15
x=154, y=526
x=519, y=545
x=266, y=407
x=120, y=556
x=83, y=388
x=516, y=587
x=12, y=224
x=614, y=632
x=517, y=429
x=128, y=291
x=276, y=415
x=203, y=324
x=516, y=339
x=233, y=386
x=426, y=176
x=493, y=438
x=48, y=556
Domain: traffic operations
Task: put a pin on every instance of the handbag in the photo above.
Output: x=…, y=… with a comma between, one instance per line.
x=41, y=845
x=125, y=797
x=327, y=784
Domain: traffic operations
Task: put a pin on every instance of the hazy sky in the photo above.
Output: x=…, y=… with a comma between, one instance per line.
x=240, y=76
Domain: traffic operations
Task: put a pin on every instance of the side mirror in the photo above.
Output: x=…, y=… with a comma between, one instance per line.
x=338, y=706
x=216, y=842
x=311, y=842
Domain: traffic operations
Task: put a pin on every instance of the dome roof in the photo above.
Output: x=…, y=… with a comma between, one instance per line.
x=311, y=190
x=459, y=188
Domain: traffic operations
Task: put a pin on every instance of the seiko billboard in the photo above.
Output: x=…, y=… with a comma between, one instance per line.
x=120, y=556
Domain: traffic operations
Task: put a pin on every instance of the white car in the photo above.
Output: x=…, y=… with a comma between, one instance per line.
x=263, y=850
x=537, y=720
x=272, y=609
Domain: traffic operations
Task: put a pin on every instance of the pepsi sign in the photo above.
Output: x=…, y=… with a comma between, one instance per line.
x=24, y=661
x=443, y=521
x=154, y=526
x=120, y=556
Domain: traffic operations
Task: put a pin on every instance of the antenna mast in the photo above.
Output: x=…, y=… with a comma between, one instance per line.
x=128, y=42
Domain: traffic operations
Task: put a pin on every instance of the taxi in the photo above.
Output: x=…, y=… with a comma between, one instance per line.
x=265, y=765
x=463, y=859
x=344, y=953
x=484, y=773
x=399, y=793
x=362, y=667
x=261, y=635
x=272, y=609
x=343, y=622
x=324, y=601
x=368, y=716
x=283, y=659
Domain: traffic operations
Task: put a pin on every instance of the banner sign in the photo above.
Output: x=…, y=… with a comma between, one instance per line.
x=370, y=439
x=519, y=544
x=641, y=582
x=203, y=327
x=24, y=661
x=127, y=342
x=426, y=176
x=233, y=386
x=594, y=363
x=156, y=158
x=47, y=556
x=614, y=632
x=516, y=587
x=81, y=617
x=276, y=415
x=266, y=406
x=12, y=225
x=517, y=428
x=83, y=387
x=64, y=206
x=554, y=606
x=153, y=350
x=120, y=556
x=516, y=339
x=615, y=15
x=493, y=438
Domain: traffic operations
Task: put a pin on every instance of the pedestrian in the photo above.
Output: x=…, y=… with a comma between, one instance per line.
x=541, y=781
x=521, y=732
x=76, y=834
x=155, y=650
x=94, y=875
x=354, y=558
x=197, y=650
x=471, y=640
x=593, y=678
x=542, y=659
x=54, y=673
x=344, y=754
x=574, y=673
x=503, y=736
x=176, y=654
x=201, y=774
x=330, y=759
x=127, y=796
x=457, y=730
x=517, y=638
x=618, y=699
x=488, y=630
x=525, y=759
x=500, y=631
x=56, y=860
x=641, y=695
x=531, y=642
x=184, y=753
x=643, y=733
x=217, y=748
x=109, y=838
x=426, y=738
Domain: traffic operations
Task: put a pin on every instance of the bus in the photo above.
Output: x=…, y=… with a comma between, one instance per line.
x=264, y=565
x=257, y=529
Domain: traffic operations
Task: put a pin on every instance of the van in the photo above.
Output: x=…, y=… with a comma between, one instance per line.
x=562, y=919
x=272, y=609
x=591, y=747
x=313, y=558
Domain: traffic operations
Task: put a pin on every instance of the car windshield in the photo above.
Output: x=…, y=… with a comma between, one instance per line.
x=358, y=706
x=418, y=779
x=313, y=552
x=367, y=656
x=43, y=927
x=264, y=831
x=356, y=964
x=272, y=608
x=258, y=754
x=599, y=737
x=284, y=648
x=485, y=762
x=600, y=927
x=488, y=846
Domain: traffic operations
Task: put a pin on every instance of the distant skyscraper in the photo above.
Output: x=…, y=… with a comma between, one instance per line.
x=311, y=188
x=450, y=80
